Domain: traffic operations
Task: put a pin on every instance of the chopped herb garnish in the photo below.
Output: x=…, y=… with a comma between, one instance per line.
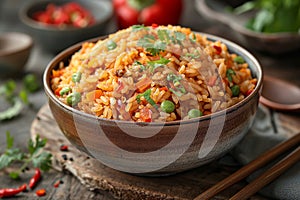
x=142, y=67
x=180, y=36
x=239, y=60
x=174, y=78
x=177, y=93
x=158, y=63
x=76, y=77
x=176, y=81
x=194, y=55
x=139, y=27
x=151, y=44
x=147, y=96
x=111, y=45
x=164, y=36
x=229, y=73
x=192, y=37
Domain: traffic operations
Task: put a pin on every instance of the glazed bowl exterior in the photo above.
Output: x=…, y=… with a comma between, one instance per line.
x=55, y=39
x=15, y=50
x=176, y=146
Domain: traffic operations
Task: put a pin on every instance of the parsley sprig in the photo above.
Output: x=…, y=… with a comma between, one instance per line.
x=35, y=156
x=16, y=98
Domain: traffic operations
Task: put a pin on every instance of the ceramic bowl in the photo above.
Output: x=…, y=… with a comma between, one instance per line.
x=53, y=38
x=15, y=49
x=274, y=43
x=175, y=146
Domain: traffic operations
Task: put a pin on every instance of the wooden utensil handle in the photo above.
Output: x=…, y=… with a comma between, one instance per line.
x=250, y=167
x=268, y=176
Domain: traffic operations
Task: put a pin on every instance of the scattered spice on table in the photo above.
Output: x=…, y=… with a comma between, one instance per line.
x=10, y=192
x=36, y=177
x=41, y=192
x=64, y=147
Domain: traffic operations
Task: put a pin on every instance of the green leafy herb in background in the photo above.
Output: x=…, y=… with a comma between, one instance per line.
x=15, y=98
x=35, y=156
x=272, y=15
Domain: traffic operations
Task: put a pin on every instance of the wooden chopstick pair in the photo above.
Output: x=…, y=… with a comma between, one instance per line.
x=259, y=162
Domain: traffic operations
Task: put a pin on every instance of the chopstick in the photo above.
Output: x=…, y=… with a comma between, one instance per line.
x=268, y=176
x=254, y=165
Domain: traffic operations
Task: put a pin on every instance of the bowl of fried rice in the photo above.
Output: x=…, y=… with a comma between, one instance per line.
x=154, y=100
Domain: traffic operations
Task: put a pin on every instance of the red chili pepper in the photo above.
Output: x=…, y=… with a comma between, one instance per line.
x=36, y=177
x=10, y=192
x=218, y=49
x=249, y=92
x=64, y=147
x=56, y=184
x=41, y=192
x=70, y=13
x=147, y=12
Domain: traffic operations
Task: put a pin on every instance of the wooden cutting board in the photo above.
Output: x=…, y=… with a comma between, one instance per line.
x=95, y=176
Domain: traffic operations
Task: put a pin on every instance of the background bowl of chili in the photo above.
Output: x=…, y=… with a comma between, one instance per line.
x=85, y=131
x=54, y=37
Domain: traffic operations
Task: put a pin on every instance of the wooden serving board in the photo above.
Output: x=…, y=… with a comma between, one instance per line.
x=95, y=176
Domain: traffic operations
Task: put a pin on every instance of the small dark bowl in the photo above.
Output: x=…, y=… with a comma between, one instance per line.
x=175, y=146
x=272, y=43
x=55, y=39
x=15, y=49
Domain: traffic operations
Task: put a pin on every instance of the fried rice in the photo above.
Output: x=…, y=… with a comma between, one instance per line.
x=153, y=74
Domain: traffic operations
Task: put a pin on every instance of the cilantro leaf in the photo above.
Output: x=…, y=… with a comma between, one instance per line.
x=31, y=83
x=163, y=36
x=151, y=44
x=36, y=156
x=9, y=140
x=12, y=111
x=158, y=63
x=42, y=161
x=35, y=147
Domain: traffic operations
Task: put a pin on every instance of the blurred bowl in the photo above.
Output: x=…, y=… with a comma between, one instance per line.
x=15, y=49
x=176, y=145
x=54, y=38
x=274, y=43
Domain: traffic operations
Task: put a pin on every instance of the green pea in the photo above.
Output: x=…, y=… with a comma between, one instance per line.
x=167, y=106
x=193, y=113
x=111, y=45
x=235, y=90
x=73, y=99
x=229, y=73
x=64, y=91
x=76, y=77
x=239, y=60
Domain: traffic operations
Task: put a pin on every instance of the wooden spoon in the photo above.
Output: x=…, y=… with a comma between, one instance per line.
x=280, y=95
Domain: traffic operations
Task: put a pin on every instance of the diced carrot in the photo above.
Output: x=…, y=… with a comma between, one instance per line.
x=56, y=73
x=164, y=89
x=95, y=94
x=249, y=92
x=143, y=84
x=212, y=80
x=218, y=49
x=57, y=91
x=146, y=114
